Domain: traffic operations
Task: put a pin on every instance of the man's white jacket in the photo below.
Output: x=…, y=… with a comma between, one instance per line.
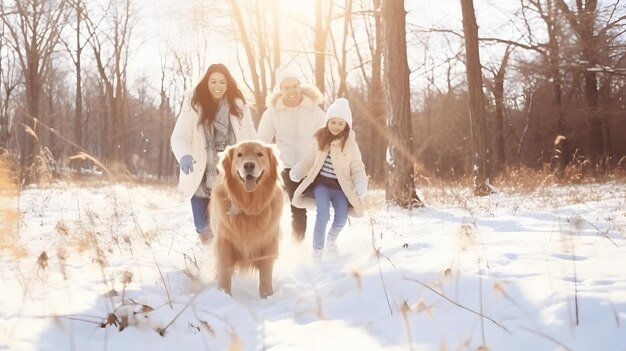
x=292, y=128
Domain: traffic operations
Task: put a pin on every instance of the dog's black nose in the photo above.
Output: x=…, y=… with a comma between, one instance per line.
x=249, y=166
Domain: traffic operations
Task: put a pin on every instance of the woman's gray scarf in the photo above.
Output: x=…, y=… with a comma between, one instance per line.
x=218, y=136
x=221, y=125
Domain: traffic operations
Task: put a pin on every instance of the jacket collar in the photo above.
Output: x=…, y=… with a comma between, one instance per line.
x=311, y=96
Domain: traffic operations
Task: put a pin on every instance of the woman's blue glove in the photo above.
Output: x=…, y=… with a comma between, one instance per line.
x=186, y=164
x=361, y=191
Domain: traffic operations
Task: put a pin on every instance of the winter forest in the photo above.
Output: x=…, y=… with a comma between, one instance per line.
x=481, y=123
x=547, y=78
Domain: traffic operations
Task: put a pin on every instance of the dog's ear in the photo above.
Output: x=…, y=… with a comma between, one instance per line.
x=275, y=165
x=226, y=162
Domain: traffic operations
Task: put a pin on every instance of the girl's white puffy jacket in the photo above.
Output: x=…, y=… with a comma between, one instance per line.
x=348, y=166
x=188, y=138
x=292, y=127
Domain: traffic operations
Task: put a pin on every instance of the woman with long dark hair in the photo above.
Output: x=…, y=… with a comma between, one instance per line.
x=214, y=115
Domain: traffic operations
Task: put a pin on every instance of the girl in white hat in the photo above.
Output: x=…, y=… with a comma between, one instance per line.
x=332, y=173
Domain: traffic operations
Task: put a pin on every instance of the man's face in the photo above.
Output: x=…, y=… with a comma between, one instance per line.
x=290, y=90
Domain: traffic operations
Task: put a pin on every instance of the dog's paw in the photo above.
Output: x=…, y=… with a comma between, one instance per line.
x=265, y=291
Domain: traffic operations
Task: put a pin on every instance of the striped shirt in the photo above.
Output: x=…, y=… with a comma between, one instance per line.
x=327, y=175
x=327, y=169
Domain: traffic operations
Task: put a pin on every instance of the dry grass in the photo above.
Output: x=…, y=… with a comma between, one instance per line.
x=100, y=234
x=523, y=182
x=527, y=180
x=9, y=213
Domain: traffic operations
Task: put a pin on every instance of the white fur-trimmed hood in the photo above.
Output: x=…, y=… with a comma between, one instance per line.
x=311, y=93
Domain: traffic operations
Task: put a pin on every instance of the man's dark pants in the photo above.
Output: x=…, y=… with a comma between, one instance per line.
x=298, y=215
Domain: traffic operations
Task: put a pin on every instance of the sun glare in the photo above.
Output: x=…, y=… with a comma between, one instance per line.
x=298, y=11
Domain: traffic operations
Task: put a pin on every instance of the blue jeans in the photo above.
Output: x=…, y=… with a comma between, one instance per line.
x=324, y=197
x=199, y=209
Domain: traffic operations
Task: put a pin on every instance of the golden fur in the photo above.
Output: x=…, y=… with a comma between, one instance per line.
x=245, y=209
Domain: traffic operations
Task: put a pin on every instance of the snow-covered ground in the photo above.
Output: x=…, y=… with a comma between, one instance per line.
x=118, y=267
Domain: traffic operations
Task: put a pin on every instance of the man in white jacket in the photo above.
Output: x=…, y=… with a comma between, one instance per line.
x=291, y=118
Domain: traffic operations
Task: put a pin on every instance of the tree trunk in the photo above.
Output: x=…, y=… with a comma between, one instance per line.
x=27, y=157
x=498, y=94
x=262, y=48
x=373, y=129
x=377, y=101
x=476, y=100
x=560, y=154
x=320, y=44
x=596, y=152
x=78, y=115
x=347, y=18
x=34, y=29
x=258, y=88
x=583, y=24
x=112, y=72
x=605, y=98
x=400, y=180
x=276, y=15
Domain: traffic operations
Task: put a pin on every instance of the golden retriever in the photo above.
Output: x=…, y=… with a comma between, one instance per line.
x=245, y=210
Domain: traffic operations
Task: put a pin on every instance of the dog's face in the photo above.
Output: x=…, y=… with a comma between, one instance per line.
x=251, y=162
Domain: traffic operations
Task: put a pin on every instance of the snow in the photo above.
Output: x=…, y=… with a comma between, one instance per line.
x=541, y=269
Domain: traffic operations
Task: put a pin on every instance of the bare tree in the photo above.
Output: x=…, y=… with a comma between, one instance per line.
x=182, y=70
x=560, y=154
x=78, y=117
x=258, y=54
x=374, y=128
x=57, y=107
x=276, y=15
x=34, y=28
x=322, y=30
x=75, y=54
x=551, y=52
x=343, y=54
x=400, y=185
x=10, y=76
x=584, y=22
x=498, y=158
x=166, y=160
x=111, y=52
x=476, y=100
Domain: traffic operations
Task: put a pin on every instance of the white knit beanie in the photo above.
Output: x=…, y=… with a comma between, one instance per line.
x=341, y=109
x=285, y=73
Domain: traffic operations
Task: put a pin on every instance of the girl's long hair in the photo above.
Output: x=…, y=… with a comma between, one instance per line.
x=324, y=137
x=203, y=101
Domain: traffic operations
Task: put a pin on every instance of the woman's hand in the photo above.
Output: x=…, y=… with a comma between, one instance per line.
x=186, y=164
